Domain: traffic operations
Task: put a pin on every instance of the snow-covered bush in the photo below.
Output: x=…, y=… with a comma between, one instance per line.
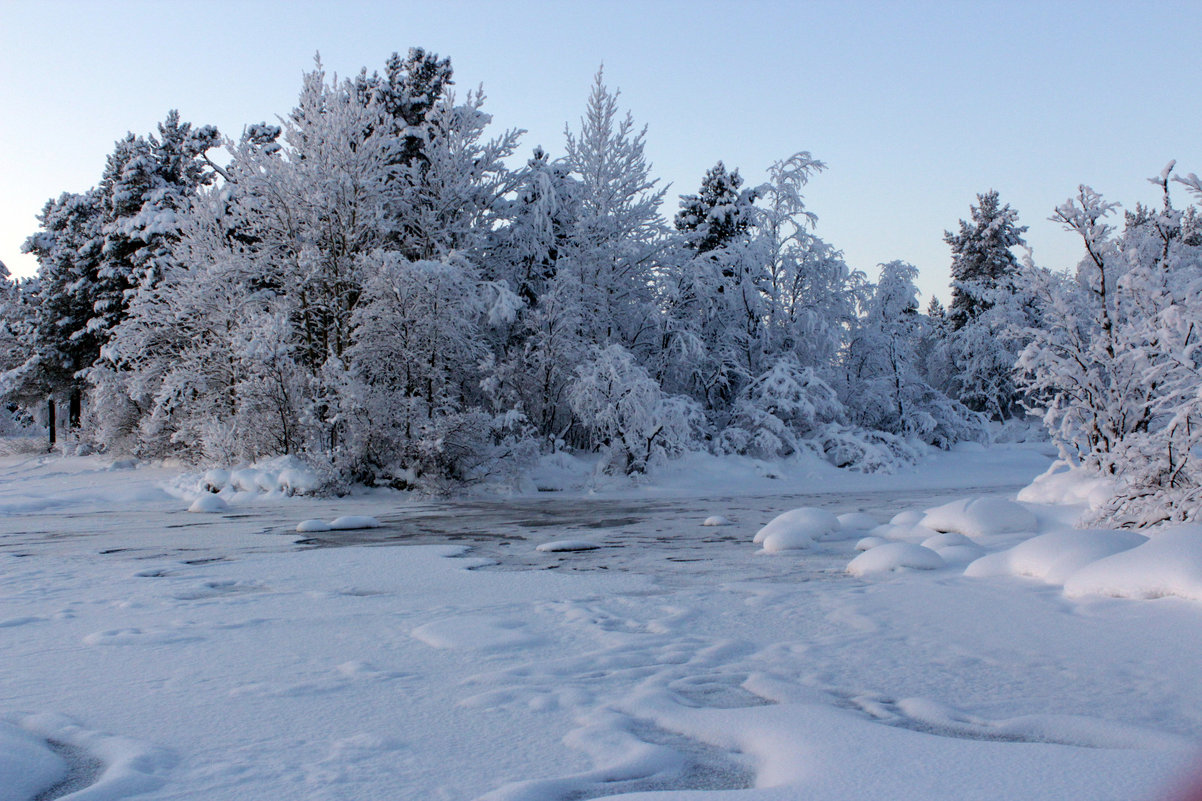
x=626, y=413
x=778, y=410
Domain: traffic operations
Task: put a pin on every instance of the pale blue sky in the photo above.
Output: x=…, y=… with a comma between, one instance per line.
x=915, y=106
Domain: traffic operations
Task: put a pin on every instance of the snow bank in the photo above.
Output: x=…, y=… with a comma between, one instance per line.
x=796, y=529
x=284, y=475
x=893, y=556
x=1055, y=556
x=1168, y=564
x=1063, y=485
x=980, y=517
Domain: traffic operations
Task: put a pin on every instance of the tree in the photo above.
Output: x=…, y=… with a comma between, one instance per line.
x=883, y=386
x=982, y=256
x=1117, y=377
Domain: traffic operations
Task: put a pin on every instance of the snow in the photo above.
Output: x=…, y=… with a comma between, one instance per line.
x=795, y=529
x=27, y=764
x=1055, y=556
x=209, y=504
x=893, y=556
x=715, y=520
x=567, y=545
x=312, y=526
x=980, y=517
x=1168, y=564
x=1061, y=484
x=441, y=656
x=857, y=521
x=353, y=522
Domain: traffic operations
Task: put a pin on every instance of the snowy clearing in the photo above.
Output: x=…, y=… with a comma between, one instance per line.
x=445, y=653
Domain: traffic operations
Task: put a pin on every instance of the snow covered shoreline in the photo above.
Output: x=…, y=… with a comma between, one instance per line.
x=209, y=656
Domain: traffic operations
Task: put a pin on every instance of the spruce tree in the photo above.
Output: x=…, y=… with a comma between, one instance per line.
x=982, y=256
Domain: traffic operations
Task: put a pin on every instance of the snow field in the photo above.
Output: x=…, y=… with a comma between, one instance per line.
x=221, y=662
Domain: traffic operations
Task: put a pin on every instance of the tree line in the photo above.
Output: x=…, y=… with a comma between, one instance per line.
x=372, y=285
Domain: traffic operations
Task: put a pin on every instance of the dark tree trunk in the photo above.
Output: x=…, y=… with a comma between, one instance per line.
x=50, y=420
x=75, y=407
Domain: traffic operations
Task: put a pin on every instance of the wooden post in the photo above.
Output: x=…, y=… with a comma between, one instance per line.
x=50, y=420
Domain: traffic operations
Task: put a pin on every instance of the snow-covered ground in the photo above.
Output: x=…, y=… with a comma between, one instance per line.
x=648, y=648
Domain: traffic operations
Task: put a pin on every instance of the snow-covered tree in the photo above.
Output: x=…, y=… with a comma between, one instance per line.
x=628, y=417
x=883, y=386
x=617, y=236
x=1118, y=375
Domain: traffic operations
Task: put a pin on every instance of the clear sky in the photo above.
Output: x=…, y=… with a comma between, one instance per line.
x=915, y=106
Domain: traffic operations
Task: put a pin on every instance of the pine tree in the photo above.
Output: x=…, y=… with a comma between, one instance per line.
x=981, y=256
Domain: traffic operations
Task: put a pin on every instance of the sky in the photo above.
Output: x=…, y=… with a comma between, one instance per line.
x=915, y=107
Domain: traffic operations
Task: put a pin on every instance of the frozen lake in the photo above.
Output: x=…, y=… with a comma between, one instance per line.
x=154, y=653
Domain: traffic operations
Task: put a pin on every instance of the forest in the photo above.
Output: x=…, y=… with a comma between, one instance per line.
x=382, y=286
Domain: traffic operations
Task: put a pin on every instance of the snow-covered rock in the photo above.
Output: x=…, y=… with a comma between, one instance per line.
x=980, y=517
x=715, y=520
x=214, y=480
x=944, y=540
x=910, y=517
x=796, y=528
x=567, y=545
x=894, y=556
x=352, y=522
x=960, y=554
x=870, y=542
x=311, y=526
x=209, y=504
x=1055, y=556
x=857, y=521
x=1169, y=563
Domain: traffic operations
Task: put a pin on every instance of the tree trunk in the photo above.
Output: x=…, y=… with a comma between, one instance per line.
x=50, y=420
x=75, y=407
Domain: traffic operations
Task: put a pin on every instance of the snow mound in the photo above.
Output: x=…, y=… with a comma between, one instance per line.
x=567, y=545
x=894, y=556
x=857, y=521
x=353, y=522
x=797, y=528
x=960, y=554
x=910, y=517
x=715, y=520
x=870, y=542
x=1063, y=485
x=209, y=504
x=310, y=526
x=1168, y=564
x=945, y=540
x=1055, y=556
x=980, y=517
